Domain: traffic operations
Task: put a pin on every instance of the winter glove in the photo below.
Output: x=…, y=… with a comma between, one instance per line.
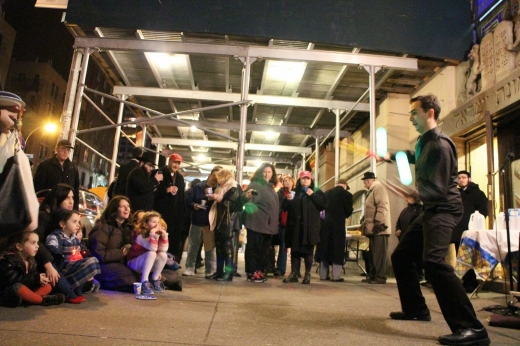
x=378, y=227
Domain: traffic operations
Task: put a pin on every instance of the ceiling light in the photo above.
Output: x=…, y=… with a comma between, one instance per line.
x=258, y=163
x=269, y=134
x=162, y=60
x=193, y=128
x=201, y=157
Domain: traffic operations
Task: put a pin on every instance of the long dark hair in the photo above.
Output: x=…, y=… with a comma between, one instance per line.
x=20, y=238
x=259, y=176
x=110, y=213
x=52, y=201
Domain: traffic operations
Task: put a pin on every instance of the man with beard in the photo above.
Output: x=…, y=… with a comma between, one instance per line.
x=473, y=200
x=124, y=171
x=140, y=187
x=170, y=203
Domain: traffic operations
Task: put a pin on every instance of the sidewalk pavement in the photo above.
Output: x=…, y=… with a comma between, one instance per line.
x=208, y=312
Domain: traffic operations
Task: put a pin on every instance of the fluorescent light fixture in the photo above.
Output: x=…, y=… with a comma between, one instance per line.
x=201, y=157
x=193, y=128
x=162, y=60
x=285, y=71
x=258, y=163
x=489, y=11
x=269, y=134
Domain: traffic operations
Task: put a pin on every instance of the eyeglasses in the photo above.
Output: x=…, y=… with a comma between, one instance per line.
x=14, y=109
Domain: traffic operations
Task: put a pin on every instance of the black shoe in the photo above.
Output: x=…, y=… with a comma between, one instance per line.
x=378, y=281
x=199, y=265
x=291, y=278
x=278, y=273
x=218, y=277
x=173, y=285
x=338, y=280
x=226, y=277
x=367, y=280
x=468, y=336
x=237, y=275
x=53, y=299
x=326, y=279
x=211, y=276
x=399, y=315
x=307, y=279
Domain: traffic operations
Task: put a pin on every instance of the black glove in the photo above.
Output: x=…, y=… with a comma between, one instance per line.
x=378, y=227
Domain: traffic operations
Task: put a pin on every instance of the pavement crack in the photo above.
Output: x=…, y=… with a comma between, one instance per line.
x=215, y=310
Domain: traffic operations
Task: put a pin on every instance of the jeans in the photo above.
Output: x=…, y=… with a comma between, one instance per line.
x=195, y=238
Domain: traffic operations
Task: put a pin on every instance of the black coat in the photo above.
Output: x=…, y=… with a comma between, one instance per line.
x=13, y=271
x=122, y=177
x=331, y=247
x=227, y=212
x=473, y=199
x=140, y=189
x=407, y=215
x=50, y=173
x=303, y=219
x=171, y=207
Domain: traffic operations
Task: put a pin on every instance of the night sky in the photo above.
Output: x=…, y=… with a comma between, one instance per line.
x=40, y=34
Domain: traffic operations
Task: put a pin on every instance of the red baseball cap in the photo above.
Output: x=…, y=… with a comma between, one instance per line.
x=175, y=157
x=305, y=174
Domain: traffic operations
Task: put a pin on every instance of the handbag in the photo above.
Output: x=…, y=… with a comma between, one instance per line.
x=18, y=205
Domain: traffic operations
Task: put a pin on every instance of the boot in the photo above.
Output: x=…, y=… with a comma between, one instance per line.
x=307, y=279
x=291, y=278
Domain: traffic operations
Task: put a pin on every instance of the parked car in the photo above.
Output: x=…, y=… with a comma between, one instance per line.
x=90, y=206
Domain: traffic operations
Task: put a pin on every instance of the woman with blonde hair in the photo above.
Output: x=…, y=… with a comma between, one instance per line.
x=222, y=216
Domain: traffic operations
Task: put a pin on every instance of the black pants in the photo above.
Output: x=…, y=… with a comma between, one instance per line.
x=256, y=250
x=434, y=231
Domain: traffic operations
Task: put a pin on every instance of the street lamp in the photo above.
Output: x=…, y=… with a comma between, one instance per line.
x=49, y=127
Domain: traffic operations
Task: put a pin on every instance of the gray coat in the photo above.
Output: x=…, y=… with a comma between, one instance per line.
x=261, y=212
x=377, y=209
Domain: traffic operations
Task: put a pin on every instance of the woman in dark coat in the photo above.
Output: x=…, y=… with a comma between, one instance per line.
x=260, y=217
x=108, y=243
x=331, y=248
x=222, y=217
x=303, y=224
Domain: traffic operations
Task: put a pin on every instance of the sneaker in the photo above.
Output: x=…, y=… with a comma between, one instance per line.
x=188, y=272
x=95, y=286
x=158, y=286
x=53, y=299
x=77, y=300
x=146, y=287
x=259, y=277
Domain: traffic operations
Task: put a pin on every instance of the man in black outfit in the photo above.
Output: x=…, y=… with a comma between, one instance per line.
x=141, y=186
x=473, y=200
x=58, y=169
x=124, y=171
x=435, y=161
x=331, y=248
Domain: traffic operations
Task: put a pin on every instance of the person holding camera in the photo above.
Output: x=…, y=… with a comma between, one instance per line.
x=260, y=217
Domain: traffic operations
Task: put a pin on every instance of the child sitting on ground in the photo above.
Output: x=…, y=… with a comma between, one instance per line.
x=65, y=247
x=148, y=252
x=20, y=282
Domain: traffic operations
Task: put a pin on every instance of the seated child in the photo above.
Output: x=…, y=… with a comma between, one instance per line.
x=91, y=285
x=65, y=247
x=20, y=282
x=148, y=251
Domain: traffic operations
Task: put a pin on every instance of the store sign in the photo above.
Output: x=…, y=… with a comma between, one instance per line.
x=59, y=4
